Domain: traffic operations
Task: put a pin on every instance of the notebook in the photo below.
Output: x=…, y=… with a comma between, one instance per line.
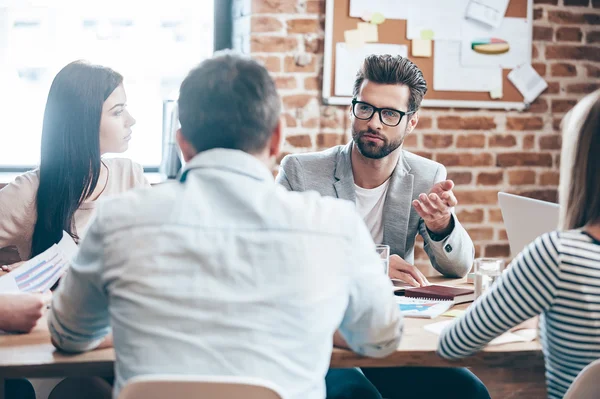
x=443, y=292
x=422, y=308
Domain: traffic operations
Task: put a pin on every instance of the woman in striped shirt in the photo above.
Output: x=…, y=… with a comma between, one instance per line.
x=558, y=275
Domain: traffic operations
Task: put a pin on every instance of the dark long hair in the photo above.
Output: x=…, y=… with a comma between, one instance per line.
x=70, y=160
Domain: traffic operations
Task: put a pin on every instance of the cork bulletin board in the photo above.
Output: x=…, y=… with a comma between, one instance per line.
x=393, y=31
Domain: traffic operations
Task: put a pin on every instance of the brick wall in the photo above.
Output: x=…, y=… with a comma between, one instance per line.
x=485, y=151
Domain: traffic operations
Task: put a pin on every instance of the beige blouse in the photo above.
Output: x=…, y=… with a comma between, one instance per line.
x=18, y=213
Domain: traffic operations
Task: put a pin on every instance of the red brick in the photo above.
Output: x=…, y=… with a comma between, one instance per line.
x=303, y=25
x=563, y=69
x=521, y=177
x=273, y=6
x=551, y=142
x=315, y=7
x=474, y=216
x=560, y=52
x=497, y=251
x=425, y=122
x=297, y=100
x=557, y=161
x=301, y=141
x=535, y=53
x=524, y=123
x=312, y=83
x=549, y=178
x=502, y=140
x=290, y=121
x=538, y=13
x=476, y=197
x=495, y=215
x=553, y=88
x=539, y=106
x=285, y=82
x=460, y=178
x=261, y=23
x=579, y=3
x=592, y=71
x=481, y=233
x=583, y=88
x=466, y=159
x=592, y=37
x=543, y=195
x=556, y=124
x=568, y=34
x=437, y=140
x=271, y=62
x=466, y=123
x=540, y=68
x=502, y=235
x=272, y=44
x=313, y=44
x=524, y=159
x=567, y=17
x=470, y=141
x=528, y=142
x=542, y=33
x=310, y=123
x=290, y=64
x=411, y=141
x=327, y=140
x=490, y=178
x=562, y=105
x=424, y=154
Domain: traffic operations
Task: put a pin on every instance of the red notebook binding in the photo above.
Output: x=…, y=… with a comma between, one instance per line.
x=442, y=292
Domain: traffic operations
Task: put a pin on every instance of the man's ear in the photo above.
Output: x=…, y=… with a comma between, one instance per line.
x=276, y=139
x=412, y=122
x=187, y=149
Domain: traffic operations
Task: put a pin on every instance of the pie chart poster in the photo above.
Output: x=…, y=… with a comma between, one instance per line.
x=515, y=32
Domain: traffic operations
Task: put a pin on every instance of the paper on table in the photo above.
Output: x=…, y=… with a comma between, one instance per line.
x=490, y=12
x=450, y=75
x=348, y=61
x=528, y=82
x=512, y=30
x=369, y=32
x=443, y=18
x=421, y=48
x=40, y=273
x=391, y=9
x=454, y=313
x=526, y=335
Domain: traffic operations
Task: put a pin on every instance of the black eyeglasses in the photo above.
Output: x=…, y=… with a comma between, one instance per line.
x=387, y=116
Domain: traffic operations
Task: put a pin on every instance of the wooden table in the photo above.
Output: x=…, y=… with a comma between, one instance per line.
x=510, y=370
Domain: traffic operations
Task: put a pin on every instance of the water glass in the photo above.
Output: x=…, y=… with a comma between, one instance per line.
x=384, y=252
x=487, y=271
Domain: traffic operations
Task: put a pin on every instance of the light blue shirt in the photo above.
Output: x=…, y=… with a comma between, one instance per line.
x=227, y=273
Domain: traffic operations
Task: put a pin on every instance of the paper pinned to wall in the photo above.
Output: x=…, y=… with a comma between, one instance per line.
x=443, y=18
x=354, y=38
x=369, y=31
x=528, y=82
x=391, y=9
x=450, y=75
x=490, y=12
x=513, y=31
x=348, y=60
x=421, y=48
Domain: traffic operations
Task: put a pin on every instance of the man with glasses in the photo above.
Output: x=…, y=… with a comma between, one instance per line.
x=397, y=193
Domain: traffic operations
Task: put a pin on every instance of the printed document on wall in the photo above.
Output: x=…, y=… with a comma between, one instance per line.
x=506, y=46
x=443, y=18
x=348, y=60
x=450, y=75
x=391, y=9
x=490, y=12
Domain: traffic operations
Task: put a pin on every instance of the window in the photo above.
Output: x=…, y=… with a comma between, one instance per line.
x=152, y=44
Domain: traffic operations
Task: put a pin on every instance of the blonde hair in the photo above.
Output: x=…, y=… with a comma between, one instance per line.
x=579, y=189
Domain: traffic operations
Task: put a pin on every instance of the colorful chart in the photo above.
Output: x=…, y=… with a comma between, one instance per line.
x=491, y=46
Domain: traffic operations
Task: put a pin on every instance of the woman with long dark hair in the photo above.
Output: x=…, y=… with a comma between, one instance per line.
x=86, y=117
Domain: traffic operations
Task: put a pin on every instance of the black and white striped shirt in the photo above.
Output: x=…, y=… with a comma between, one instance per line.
x=557, y=276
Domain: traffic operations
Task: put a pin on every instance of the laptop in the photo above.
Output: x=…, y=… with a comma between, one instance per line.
x=525, y=219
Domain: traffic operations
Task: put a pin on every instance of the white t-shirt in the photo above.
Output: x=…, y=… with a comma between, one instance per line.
x=369, y=204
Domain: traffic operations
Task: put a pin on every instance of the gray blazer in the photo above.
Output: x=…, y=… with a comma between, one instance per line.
x=330, y=173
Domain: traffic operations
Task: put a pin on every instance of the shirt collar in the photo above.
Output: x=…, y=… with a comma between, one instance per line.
x=235, y=161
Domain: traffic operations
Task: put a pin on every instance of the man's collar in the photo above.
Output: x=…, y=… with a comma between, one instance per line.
x=235, y=161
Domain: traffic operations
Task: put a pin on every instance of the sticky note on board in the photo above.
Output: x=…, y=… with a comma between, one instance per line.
x=367, y=15
x=427, y=34
x=453, y=313
x=377, y=18
x=354, y=38
x=496, y=93
x=421, y=48
x=369, y=31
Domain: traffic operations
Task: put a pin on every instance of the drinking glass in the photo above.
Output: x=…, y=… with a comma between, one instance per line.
x=384, y=253
x=487, y=271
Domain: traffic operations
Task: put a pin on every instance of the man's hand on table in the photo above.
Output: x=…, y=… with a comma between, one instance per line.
x=404, y=271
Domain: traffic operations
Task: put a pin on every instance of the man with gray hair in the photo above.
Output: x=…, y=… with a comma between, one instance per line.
x=225, y=272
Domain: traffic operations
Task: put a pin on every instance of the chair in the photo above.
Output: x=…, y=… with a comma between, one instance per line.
x=586, y=384
x=165, y=386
